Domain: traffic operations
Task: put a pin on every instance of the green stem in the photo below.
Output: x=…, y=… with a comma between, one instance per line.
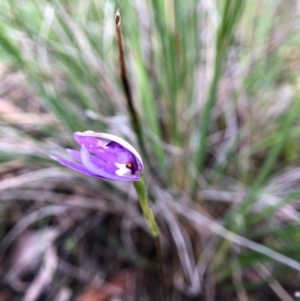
x=141, y=190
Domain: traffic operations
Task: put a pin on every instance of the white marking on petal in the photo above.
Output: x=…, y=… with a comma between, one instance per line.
x=123, y=170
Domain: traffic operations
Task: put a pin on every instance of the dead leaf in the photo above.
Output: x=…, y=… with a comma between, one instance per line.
x=44, y=276
x=28, y=251
x=119, y=285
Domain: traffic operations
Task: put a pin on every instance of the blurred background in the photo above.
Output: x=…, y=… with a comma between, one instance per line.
x=215, y=86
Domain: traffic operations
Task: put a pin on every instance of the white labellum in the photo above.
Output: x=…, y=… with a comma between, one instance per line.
x=123, y=170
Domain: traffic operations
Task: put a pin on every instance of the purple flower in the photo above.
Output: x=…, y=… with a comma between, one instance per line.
x=104, y=156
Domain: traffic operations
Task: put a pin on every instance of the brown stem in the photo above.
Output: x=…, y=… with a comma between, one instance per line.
x=135, y=122
x=125, y=82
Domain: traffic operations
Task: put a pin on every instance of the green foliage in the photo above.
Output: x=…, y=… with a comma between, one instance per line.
x=215, y=87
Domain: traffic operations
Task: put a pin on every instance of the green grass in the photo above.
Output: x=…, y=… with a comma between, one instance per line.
x=215, y=85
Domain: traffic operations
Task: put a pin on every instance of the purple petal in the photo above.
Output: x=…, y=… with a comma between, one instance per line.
x=75, y=166
x=122, y=142
x=97, y=147
x=97, y=166
x=87, y=137
x=122, y=154
x=74, y=154
x=89, y=142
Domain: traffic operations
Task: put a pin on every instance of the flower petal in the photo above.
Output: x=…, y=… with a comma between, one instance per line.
x=74, y=154
x=97, y=147
x=75, y=166
x=123, y=155
x=125, y=144
x=103, y=169
x=88, y=141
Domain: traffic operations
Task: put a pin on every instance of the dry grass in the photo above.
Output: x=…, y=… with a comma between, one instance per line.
x=228, y=208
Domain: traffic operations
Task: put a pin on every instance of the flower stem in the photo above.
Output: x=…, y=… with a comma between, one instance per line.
x=141, y=189
x=135, y=122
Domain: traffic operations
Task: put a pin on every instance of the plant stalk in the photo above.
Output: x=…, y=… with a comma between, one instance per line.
x=135, y=122
x=141, y=190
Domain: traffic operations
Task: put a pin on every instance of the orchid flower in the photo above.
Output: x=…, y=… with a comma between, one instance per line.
x=111, y=158
x=104, y=156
